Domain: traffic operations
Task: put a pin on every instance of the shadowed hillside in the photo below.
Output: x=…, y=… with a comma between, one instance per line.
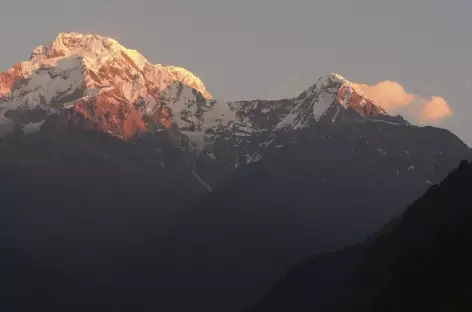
x=72, y=204
x=421, y=262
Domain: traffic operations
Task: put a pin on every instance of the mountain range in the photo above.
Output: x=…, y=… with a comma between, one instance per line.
x=95, y=83
x=130, y=178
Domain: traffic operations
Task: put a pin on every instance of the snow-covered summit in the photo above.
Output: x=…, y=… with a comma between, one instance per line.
x=92, y=46
x=95, y=52
x=97, y=83
x=331, y=92
x=84, y=69
x=335, y=82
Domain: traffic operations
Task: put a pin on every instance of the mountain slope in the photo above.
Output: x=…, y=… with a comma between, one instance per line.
x=86, y=193
x=421, y=263
x=336, y=185
x=320, y=282
x=315, y=285
x=27, y=286
x=425, y=262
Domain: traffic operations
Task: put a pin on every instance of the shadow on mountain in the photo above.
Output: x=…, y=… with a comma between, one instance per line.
x=26, y=286
x=422, y=262
x=105, y=216
x=73, y=204
x=326, y=192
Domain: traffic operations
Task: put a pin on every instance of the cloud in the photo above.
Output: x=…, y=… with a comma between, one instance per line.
x=393, y=97
x=435, y=110
x=388, y=94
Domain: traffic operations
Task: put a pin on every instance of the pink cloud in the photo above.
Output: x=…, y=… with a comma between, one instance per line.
x=435, y=110
x=393, y=97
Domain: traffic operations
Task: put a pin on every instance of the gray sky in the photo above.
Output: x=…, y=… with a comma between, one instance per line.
x=268, y=49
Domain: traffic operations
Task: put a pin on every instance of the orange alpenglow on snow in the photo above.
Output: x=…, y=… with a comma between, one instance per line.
x=97, y=78
x=364, y=106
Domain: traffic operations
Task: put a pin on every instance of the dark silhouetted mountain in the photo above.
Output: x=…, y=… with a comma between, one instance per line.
x=27, y=286
x=319, y=283
x=316, y=285
x=74, y=202
x=425, y=262
x=333, y=187
x=422, y=262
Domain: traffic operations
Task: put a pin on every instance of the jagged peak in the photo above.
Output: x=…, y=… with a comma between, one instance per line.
x=102, y=48
x=333, y=77
x=331, y=81
x=97, y=53
x=336, y=77
x=331, y=90
x=352, y=85
x=335, y=83
x=73, y=43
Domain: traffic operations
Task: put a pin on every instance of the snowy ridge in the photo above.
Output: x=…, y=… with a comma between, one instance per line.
x=331, y=90
x=312, y=103
x=94, y=82
x=77, y=71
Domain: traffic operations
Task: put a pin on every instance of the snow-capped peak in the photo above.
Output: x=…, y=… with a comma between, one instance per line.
x=338, y=76
x=97, y=83
x=79, y=70
x=330, y=91
x=91, y=46
x=353, y=88
x=101, y=56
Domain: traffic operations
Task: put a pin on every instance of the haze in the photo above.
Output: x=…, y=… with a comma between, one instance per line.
x=269, y=49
